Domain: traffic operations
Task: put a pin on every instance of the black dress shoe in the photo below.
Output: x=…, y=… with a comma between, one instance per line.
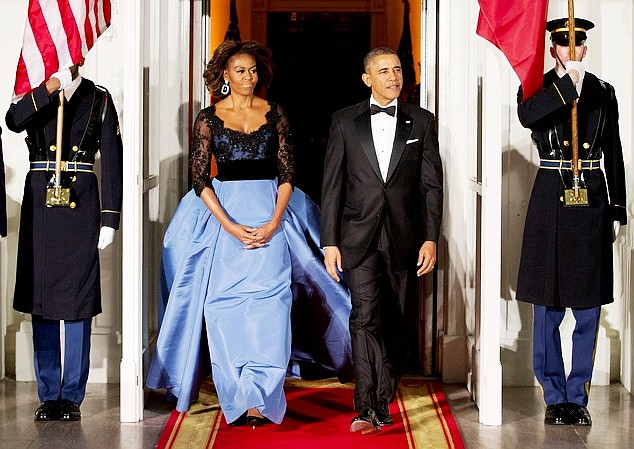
x=556, y=414
x=366, y=421
x=383, y=414
x=579, y=416
x=47, y=411
x=69, y=411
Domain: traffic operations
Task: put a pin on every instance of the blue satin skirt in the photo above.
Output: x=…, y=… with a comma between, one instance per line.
x=247, y=298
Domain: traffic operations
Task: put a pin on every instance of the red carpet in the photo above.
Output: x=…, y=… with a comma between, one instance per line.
x=318, y=417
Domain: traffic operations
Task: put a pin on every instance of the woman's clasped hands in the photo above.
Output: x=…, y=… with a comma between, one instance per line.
x=253, y=237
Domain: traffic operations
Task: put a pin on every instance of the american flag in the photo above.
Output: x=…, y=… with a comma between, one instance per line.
x=57, y=35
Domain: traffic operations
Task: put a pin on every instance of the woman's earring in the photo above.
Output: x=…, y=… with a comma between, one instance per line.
x=224, y=90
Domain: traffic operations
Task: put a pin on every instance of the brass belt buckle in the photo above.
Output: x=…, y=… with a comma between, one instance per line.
x=58, y=196
x=575, y=197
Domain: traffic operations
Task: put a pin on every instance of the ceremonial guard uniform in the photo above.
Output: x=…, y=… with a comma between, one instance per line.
x=58, y=260
x=566, y=256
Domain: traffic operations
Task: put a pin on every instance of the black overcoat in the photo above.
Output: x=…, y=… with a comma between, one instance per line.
x=58, y=261
x=567, y=251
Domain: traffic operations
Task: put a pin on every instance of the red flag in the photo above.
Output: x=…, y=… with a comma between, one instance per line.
x=57, y=35
x=518, y=28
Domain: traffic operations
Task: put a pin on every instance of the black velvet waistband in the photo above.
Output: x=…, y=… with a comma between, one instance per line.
x=243, y=170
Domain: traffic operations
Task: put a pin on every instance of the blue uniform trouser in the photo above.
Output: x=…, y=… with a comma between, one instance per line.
x=548, y=362
x=51, y=385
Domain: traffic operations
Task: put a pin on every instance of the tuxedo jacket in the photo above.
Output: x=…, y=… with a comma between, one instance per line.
x=355, y=198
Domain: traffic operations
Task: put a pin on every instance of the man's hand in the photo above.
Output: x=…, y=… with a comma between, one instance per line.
x=575, y=70
x=106, y=237
x=426, y=258
x=59, y=80
x=332, y=260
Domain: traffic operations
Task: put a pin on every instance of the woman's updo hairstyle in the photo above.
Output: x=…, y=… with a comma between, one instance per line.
x=214, y=72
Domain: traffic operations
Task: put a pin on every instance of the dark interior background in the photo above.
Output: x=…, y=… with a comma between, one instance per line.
x=318, y=59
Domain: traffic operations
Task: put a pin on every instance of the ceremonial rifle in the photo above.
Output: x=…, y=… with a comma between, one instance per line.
x=576, y=196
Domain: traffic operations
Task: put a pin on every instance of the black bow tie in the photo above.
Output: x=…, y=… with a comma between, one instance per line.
x=375, y=109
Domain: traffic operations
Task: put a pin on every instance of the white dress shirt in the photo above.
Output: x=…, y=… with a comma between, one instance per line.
x=383, y=132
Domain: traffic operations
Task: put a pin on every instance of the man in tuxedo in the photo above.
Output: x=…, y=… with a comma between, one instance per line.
x=58, y=277
x=382, y=198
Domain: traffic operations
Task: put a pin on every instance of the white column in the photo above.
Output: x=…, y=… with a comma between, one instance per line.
x=132, y=130
x=490, y=382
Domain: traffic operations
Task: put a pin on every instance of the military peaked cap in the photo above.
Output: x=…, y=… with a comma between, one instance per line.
x=559, y=30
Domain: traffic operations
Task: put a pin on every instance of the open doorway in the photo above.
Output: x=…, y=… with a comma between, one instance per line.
x=318, y=50
x=318, y=58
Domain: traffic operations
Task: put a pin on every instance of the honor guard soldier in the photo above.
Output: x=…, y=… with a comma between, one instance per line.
x=566, y=259
x=61, y=235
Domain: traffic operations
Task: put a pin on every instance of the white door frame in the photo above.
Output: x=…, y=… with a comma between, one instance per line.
x=459, y=67
x=157, y=84
x=490, y=366
x=131, y=378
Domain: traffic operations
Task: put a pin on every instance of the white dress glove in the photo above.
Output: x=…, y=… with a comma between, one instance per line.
x=65, y=78
x=615, y=230
x=577, y=66
x=106, y=236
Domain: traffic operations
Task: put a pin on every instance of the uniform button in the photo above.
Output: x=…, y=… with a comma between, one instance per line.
x=586, y=145
x=566, y=143
x=75, y=148
x=53, y=148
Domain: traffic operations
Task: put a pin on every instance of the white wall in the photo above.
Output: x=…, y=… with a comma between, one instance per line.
x=16, y=165
x=456, y=134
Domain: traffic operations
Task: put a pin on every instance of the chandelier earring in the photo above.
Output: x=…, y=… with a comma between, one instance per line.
x=224, y=90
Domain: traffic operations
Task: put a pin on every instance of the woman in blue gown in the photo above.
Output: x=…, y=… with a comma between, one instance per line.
x=240, y=253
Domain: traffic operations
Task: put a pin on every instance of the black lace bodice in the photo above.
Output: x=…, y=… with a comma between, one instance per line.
x=265, y=153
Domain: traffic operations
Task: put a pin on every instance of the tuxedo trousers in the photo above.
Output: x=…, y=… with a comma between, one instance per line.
x=378, y=289
x=52, y=385
x=548, y=361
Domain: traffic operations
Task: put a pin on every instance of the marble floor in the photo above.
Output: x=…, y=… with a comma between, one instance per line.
x=612, y=411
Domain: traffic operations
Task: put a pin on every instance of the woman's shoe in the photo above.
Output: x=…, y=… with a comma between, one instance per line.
x=256, y=421
x=241, y=421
